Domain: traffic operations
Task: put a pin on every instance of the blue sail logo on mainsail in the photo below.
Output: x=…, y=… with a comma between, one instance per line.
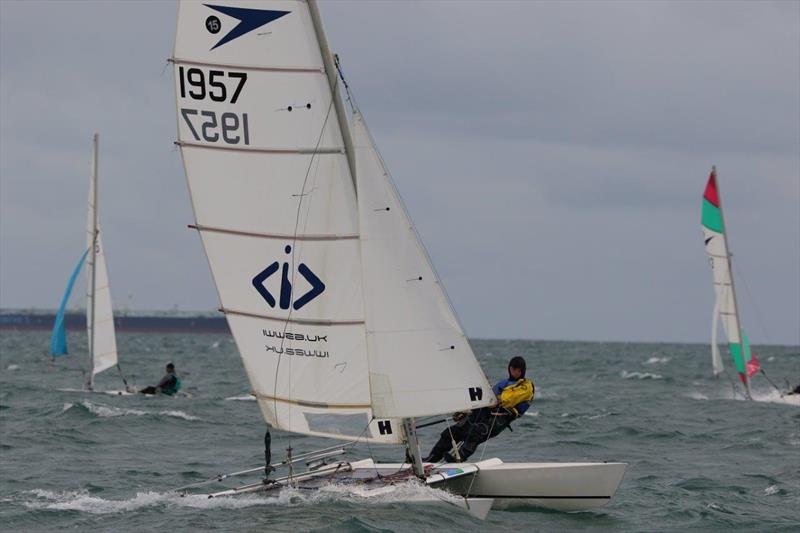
x=58, y=339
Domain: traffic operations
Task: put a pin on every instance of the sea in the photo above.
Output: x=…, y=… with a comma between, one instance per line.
x=699, y=458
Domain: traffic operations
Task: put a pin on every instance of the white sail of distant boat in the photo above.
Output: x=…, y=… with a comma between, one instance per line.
x=343, y=327
x=101, y=337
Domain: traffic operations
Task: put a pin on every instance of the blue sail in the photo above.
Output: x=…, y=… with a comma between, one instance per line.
x=58, y=340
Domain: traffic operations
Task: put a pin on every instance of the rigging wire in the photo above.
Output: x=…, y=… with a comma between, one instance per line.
x=294, y=251
x=752, y=303
x=483, y=452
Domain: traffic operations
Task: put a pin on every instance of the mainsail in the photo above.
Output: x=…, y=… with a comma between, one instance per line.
x=716, y=244
x=99, y=311
x=267, y=154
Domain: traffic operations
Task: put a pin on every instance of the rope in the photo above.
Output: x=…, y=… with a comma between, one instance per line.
x=771, y=383
x=453, y=441
x=483, y=452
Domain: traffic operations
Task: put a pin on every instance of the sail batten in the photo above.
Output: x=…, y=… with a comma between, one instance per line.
x=302, y=70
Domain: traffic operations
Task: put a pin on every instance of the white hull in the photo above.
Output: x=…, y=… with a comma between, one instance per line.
x=106, y=392
x=559, y=486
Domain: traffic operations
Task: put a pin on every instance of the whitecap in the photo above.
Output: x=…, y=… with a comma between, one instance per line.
x=12, y=367
x=772, y=489
x=533, y=413
x=639, y=375
x=246, y=398
x=657, y=360
x=178, y=414
x=106, y=411
x=695, y=395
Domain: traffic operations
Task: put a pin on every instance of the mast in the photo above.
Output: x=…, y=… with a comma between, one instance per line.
x=733, y=288
x=331, y=73
x=92, y=264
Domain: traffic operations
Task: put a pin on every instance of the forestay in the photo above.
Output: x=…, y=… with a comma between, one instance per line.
x=275, y=205
x=420, y=360
x=719, y=258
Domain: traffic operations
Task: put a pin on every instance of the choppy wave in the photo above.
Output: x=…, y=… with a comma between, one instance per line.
x=639, y=375
x=106, y=411
x=246, y=398
x=695, y=395
x=657, y=361
x=83, y=501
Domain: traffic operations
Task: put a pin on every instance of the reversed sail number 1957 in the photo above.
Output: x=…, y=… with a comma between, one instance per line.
x=228, y=127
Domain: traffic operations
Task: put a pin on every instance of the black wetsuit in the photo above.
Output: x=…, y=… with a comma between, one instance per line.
x=479, y=426
x=168, y=385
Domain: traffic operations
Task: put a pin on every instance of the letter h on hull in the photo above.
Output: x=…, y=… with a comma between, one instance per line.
x=475, y=394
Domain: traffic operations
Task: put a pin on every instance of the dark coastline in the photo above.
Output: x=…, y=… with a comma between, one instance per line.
x=141, y=323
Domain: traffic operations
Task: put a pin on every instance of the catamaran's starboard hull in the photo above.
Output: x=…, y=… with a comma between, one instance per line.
x=558, y=486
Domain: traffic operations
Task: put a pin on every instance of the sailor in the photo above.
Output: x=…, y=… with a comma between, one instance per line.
x=169, y=384
x=514, y=395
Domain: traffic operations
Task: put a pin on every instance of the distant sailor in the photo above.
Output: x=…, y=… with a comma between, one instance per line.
x=514, y=396
x=169, y=384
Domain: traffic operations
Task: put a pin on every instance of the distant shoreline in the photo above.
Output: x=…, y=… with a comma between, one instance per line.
x=142, y=322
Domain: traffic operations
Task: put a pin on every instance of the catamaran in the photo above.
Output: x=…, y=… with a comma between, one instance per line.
x=102, y=341
x=725, y=305
x=343, y=326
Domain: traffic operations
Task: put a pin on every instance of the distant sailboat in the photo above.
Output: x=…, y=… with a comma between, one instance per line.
x=343, y=326
x=726, y=307
x=102, y=341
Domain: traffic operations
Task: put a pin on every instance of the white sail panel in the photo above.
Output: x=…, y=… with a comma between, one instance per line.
x=275, y=205
x=720, y=268
x=420, y=360
x=716, y=359
x=100, y=325
x=301, y=103
x=263, y=190
x=105, y=339
x=286, y=41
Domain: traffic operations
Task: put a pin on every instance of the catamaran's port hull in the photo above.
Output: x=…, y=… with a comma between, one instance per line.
x=558, y=486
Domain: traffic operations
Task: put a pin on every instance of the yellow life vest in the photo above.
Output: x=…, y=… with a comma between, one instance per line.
x=513, y=395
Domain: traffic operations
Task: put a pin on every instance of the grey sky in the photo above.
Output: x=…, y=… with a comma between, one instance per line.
x=552, y=155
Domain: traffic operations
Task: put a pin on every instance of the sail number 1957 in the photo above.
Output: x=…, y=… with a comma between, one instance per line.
x=213, y=86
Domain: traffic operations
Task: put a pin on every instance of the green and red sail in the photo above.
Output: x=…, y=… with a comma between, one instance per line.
x=717, y=249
